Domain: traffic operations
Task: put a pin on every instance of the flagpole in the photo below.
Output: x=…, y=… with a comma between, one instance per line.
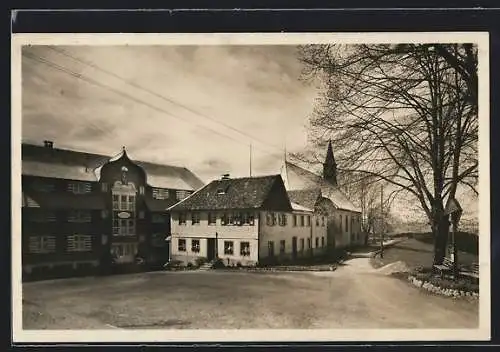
x=250, y=159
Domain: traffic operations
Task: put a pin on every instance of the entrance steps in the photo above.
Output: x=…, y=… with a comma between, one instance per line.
x=206, y=266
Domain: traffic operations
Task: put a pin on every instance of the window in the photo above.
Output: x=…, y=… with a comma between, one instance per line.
x=282, y=247
x=212, y=219
x=341, y=227
x=42, y=244
x=182, y=219
x=317, y=242
x=269, y=219
x=270, y=248
x=301, y=244
x=347, y=223
x=308, y=243
x=248, y=219
x=43, y=186
x=79, y=216
x=275, y=218
x=123, y=227
x=282, y=218
x=295, y=220
x=157, y=218
x=104, y=187
x=322, y=221
x=123, y=249
x=79, y=243
x=160, y=193
x=223, y=219
x=79, y=187
x=302, y=220
x=124, y=202
x=245, y=249
x=317, y=220
x=228, y=247
x=181, y=245
x=141, y=190
x=322, y=241
x=195, y=246
x=180, y=195
x=308, y=220
x=44, y=216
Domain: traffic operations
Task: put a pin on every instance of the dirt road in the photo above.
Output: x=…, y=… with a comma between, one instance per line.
x=353, y=296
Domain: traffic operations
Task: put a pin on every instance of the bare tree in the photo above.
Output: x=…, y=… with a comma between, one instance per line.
x=405, y=115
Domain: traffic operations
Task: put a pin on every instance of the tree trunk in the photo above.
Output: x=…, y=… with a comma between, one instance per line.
x=440, y=233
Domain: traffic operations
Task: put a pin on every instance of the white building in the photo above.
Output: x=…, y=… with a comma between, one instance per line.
x=245, y=221
x=324, y=195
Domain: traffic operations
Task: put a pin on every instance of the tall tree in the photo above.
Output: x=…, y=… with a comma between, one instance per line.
x=403, y=114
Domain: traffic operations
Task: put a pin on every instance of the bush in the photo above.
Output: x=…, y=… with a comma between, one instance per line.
x=190, y=265
x=200, y=261
x=218, y=264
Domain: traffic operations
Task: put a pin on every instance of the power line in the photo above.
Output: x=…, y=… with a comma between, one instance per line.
x=128, y=96
x=163, y=97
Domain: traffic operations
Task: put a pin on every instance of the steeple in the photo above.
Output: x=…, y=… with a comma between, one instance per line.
x=329, y=166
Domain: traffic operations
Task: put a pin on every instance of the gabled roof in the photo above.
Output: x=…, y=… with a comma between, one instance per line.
x=305, y=197
x=236, y=193
x=297, y=178
x=74, y=165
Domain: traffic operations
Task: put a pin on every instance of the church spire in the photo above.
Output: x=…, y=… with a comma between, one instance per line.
x=330, y=166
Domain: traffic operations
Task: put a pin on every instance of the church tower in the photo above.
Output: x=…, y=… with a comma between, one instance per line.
x=330, y=167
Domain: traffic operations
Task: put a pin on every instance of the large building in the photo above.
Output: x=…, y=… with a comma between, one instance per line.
x=245, y=221
x=85, y=211
x=323, y=194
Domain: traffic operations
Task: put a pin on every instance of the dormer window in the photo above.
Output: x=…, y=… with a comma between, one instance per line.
x=221, y=191
x=180, y=195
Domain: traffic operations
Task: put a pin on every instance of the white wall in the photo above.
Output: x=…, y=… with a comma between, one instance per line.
x=277, y=233
x=349, y=235
x=202, y=231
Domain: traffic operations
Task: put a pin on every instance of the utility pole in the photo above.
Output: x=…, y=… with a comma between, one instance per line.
x=382, y=230
x=250, y=159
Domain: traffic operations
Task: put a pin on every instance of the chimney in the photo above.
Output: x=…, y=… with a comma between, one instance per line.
x=48, y=144
x=225, y=177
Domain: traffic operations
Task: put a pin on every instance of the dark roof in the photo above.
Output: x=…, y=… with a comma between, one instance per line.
x=64, y=200
x=305, y=197
x=238, y=193
x=74, y=165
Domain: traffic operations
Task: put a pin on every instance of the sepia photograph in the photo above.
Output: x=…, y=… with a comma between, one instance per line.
x=201, y=187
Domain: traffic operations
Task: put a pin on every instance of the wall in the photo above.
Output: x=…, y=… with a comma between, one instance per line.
x=202, y=231
x=276, y=233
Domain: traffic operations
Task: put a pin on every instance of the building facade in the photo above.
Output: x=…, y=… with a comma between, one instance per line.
x=85, y=212
x=323, y=194
x=244, y=221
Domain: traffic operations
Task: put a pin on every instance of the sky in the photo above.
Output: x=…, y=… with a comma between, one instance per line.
x=189, y=109
x=194, y=106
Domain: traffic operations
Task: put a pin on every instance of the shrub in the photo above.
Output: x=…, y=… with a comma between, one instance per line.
x=189, y=265
x=200, y=261
x=218, y=264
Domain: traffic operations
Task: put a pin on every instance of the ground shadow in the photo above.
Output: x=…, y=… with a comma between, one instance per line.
x=160, y=324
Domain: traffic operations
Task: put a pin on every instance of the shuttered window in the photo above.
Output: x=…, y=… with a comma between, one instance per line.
x=42, y=244
x=79, y=243
x=180, y=195
x=160, y=193
x=79, y=187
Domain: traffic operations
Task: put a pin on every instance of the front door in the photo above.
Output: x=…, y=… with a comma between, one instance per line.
x=210, y=248
x=294, y=247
